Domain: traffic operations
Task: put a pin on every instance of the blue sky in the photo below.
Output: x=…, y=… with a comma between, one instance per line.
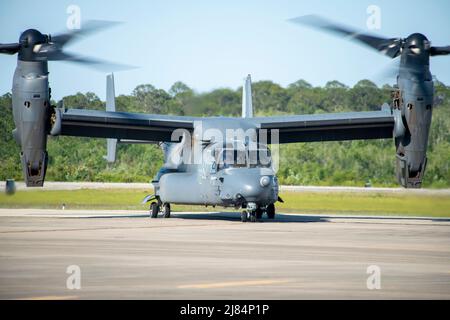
x=213, y=44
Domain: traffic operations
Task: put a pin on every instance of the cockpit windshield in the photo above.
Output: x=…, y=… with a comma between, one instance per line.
x=232, y=158
x=260, y=158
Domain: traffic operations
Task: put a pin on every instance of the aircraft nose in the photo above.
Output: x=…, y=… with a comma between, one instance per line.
x=255, y=187
x=252, y=187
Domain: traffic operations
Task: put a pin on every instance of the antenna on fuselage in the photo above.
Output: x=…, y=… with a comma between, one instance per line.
x=247, y=107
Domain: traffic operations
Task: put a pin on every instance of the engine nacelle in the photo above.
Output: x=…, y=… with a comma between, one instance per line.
x=31, y=111
x=412, y=125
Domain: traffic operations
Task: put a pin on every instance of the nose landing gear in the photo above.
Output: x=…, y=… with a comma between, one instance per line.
x=156, y=207
x=256, y=214
x=270, y=211
x=244, y=216
x=166, y=210
x=248, y=215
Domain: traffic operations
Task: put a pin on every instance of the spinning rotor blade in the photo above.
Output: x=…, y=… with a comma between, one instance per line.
x=54, y=49
x=87, y=28
x=390, y=47
x=91, y=62
x=436, y=51
x=9, y=48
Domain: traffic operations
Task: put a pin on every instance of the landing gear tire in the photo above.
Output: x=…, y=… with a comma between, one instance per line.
x=244, y=216
x=270, y=211
x=166, y=210
x=258, y=213
x=253, y=216
x=154, y=209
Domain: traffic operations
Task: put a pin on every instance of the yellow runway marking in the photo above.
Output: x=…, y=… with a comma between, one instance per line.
x=232, y=284
x=50, y=298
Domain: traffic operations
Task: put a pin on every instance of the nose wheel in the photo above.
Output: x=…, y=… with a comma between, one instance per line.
x=244, y=216
x=166, y=210
x=155, y=208
x=258, y=213
x=248, y=216
x=255, y=215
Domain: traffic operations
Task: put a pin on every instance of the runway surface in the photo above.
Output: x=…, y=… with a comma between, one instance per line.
x=123, y=254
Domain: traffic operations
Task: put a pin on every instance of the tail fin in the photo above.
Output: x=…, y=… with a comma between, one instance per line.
x=111, y=144
x=247, y=107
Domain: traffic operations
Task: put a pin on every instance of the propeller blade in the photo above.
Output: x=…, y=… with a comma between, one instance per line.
x=387, y=73
x=390, y=47
x=9, y=48
x=439, y=51
x=392, y=70
x=53, y=50
x=98, y=64
x=89, y=27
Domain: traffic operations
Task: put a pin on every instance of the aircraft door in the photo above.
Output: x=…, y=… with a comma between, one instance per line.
x=214, y=181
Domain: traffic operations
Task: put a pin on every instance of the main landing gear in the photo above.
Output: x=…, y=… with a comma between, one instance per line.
x=255, y=214
x=156, y=207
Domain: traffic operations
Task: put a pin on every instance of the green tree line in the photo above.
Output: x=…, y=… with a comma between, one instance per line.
x=321, y=163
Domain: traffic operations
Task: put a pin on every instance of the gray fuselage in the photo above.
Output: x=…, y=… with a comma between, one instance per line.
x=209, y=181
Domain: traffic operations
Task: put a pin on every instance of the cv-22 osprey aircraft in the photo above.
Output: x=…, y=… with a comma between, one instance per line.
x=236, y=172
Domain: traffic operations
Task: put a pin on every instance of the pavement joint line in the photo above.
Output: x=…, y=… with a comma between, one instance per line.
x=243, y=283
x=105, y=228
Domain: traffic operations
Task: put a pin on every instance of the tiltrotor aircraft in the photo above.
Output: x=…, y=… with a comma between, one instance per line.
x=201, y=166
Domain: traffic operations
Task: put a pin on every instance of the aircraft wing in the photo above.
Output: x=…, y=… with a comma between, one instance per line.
x=330, y=126
x=119, y=125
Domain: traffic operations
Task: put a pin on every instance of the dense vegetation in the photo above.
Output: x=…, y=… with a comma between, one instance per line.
x=329, y=163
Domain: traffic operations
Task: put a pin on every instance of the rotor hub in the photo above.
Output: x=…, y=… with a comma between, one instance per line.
x=28, y=40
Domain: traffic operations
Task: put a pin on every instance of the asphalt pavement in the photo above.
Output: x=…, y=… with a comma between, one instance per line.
x=125, y=254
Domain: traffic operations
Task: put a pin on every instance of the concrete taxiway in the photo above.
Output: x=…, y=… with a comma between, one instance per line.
x=123, y=254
